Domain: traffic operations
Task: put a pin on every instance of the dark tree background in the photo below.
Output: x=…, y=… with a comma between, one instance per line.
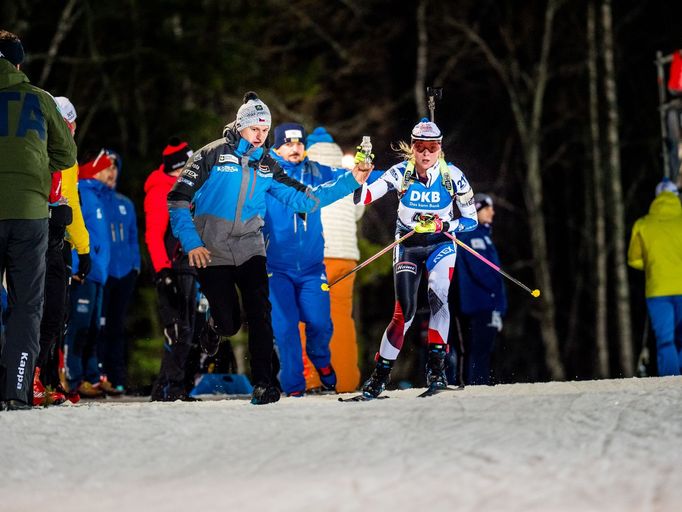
x=139, y=71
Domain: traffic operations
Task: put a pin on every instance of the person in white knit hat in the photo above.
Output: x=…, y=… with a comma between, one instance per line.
x=341, y=254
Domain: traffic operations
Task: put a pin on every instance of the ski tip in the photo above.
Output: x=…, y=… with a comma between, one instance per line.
x=535, y=293
x=361, y=398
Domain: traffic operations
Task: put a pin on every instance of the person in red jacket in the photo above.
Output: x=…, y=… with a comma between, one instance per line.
x=175, y=279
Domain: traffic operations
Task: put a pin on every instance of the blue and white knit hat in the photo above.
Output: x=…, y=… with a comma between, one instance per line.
x=666, y=186
x=426, y=130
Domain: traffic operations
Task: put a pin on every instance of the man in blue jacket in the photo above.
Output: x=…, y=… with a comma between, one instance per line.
x=124, y=267
x=295, y=251
x=480, y=301
x=82, y=364
x=228, y=181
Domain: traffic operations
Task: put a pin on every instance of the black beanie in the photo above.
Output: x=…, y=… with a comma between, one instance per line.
x=11, y=49
x=175, y=155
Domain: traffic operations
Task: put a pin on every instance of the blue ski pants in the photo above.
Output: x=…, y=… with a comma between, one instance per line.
x=666, y=320
x=298, y=296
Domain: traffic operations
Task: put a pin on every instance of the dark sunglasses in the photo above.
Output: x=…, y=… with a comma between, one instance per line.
x=425, y=145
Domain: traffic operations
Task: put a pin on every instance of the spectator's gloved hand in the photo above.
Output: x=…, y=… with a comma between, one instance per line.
x=496, y=321
x=429, y=224
x=60, y=214
x=165, y=281
x=84, y=266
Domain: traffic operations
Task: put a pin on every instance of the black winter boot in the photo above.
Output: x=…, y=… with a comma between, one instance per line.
x=210, y=339
x=376, y=384
x=264, y=394
x=435, y=367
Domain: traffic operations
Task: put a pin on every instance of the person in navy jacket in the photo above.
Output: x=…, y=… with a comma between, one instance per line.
x=480, y=298
x=295, y=262
x=227, y=182
x=124, y=267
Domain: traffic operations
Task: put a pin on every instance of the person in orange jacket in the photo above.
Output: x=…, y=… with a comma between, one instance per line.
x=341, y=254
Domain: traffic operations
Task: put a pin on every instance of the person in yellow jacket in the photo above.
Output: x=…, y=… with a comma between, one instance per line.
x=76, y=234
x=656, y=248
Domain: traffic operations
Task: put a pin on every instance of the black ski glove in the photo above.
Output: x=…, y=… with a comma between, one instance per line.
x=84, y=266
x=61, y=215
x=165, y=282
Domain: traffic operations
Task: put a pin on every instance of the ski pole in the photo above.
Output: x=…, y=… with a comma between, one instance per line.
x=369, y=260
x=535, y=293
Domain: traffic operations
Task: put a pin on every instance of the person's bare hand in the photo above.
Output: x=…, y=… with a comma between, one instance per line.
x=361, y=171
x=199, y=257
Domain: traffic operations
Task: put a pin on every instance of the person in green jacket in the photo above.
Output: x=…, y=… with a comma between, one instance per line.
x=656, y=248
x=34, y=142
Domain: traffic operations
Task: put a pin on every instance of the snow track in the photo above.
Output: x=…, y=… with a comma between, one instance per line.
x=612, y=445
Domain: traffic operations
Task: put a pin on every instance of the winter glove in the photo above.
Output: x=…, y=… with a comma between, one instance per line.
x=430, y=224
x=165, y=282
x=496, y=321
x=60, y=215
x=84, y=266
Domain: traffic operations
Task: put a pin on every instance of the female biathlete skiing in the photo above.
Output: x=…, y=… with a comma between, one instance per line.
x=427, y=187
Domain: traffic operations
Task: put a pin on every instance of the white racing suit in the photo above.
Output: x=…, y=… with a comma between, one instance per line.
x=444, y=187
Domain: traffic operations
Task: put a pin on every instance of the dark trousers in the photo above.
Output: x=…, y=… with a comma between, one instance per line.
x=50, y=369
x=218, y=284
x=22, y=256
x=81, y=337
x=55, y=293
x=177, y=309
x=112, y=343
x=479, y=343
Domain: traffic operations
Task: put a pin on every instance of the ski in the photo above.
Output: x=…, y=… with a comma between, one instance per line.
x=361, y=398
x=436, y=390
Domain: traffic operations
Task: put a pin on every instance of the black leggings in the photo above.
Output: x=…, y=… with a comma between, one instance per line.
x=54, y=305
x=177, y=309
x=218, y=284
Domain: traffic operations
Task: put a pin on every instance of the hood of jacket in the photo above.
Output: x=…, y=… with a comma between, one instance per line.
x=94, y=185
x=242, y=146
x=10, y=75
x=666, y=204
x=292, y=169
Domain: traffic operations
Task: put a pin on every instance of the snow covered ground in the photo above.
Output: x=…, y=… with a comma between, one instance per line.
x=612, y=445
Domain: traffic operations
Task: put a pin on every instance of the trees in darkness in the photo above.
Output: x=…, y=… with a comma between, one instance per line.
x=546, y=106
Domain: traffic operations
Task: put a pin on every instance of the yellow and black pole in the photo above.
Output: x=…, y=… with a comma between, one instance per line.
x=369, y=260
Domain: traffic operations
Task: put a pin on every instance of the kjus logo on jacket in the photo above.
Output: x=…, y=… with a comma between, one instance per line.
x=227, y=158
